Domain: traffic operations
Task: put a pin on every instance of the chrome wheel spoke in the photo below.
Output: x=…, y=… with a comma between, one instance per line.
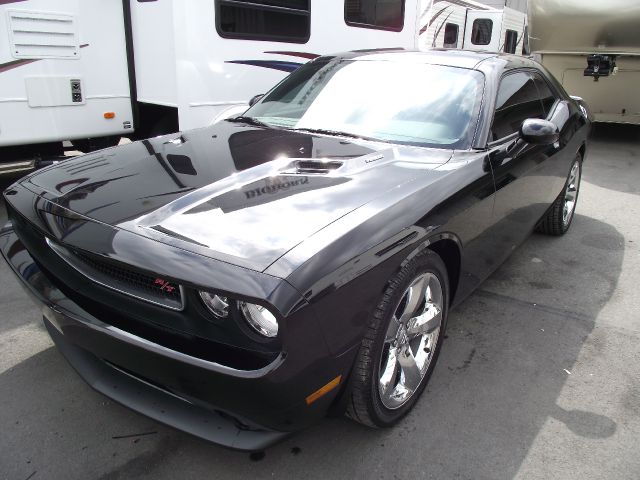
x=425, y=323
x=415, y=296
x=434, y=292
x=571, y=193
x=410, y=371
x=410, y=340
x=389, y=376
x=392, y=331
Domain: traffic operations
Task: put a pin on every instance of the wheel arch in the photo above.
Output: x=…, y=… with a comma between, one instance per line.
x=449, y=251
x=582, y=151
x=449, y=248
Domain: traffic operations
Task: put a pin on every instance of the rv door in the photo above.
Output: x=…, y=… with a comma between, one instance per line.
x=483, y=30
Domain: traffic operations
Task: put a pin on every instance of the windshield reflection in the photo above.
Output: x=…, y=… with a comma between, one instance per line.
x=402, y=102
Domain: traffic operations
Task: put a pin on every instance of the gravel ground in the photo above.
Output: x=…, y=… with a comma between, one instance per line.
x=539, y=376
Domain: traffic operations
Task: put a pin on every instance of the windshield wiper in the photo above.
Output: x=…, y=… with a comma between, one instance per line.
x=335, y=133
x=249, y=120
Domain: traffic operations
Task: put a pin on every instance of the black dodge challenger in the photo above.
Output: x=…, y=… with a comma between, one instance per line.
x=240, y=281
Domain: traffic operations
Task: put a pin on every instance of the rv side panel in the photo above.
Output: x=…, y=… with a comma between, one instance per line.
x=436, y=22
x=484, y=30
x=62, y=67
x=153, y=30
x=216, y=74
x=514, y=21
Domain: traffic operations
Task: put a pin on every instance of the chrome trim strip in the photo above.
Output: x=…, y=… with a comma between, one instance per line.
x=81, y=268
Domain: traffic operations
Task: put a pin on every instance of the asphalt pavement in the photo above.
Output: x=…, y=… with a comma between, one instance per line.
x=539, y=377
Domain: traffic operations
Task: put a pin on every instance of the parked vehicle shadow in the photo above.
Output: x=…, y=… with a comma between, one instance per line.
x=510, y=348
x=618, y=166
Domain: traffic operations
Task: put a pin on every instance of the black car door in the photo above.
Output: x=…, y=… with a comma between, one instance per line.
x=568, y=119
x=522, y=171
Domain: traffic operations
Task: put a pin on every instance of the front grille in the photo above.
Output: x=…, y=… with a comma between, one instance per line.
x=123, y=279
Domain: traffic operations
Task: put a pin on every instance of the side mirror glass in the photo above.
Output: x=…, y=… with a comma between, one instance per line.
x=255, y=99
x=539, y=132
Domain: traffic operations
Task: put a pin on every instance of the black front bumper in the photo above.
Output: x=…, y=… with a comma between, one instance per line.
x=240, y=409
x=154, y=401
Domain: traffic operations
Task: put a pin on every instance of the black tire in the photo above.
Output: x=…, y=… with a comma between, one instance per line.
x=553, y=222
x=364, y=404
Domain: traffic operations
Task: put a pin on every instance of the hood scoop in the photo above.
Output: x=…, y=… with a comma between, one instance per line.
x=341, y=166
x=317, y=166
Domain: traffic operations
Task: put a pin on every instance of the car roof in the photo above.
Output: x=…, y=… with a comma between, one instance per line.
x=471, y=59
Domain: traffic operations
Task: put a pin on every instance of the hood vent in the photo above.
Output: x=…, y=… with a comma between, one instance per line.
x=317, y=166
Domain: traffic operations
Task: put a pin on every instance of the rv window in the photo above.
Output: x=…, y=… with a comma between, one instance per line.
x=510, y=41
x=380, y=14
x=546, y=95
x=517, y=100
x=450, y=35
x=268, y=20
x=481, y=31
x=525, y=41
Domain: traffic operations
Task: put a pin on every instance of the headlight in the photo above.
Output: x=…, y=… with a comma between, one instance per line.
x=260, y=319
x=217, y=304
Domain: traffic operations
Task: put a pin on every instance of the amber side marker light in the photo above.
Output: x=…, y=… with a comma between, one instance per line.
x=109, y=115
x=324, y=390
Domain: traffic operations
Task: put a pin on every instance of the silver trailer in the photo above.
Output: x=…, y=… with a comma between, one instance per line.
x=593, y=48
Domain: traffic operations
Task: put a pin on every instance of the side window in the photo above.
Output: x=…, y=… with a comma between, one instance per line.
x=268, y=20
x=451, y=35
x=517, y=100
x=546, y=95
x=481, y=31
x=380, y=14
x=510, y=41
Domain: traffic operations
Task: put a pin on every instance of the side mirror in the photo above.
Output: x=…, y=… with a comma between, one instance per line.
x=539, y=132
x=255, y=99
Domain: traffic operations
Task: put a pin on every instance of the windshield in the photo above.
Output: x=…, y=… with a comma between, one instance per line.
x=400, y=102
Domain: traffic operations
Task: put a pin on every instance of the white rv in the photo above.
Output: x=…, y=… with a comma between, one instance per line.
x=473, y=26
x=593, y=49
x=91, y=71
x=63, y=75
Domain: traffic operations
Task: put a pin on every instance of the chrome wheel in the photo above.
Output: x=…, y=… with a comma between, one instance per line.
x=410, y=341
x=571, y=194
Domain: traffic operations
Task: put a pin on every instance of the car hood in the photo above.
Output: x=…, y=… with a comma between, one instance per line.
x=242, y=194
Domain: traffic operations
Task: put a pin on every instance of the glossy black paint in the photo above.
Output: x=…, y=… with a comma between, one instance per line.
x=539, y=132
x=311, y=226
